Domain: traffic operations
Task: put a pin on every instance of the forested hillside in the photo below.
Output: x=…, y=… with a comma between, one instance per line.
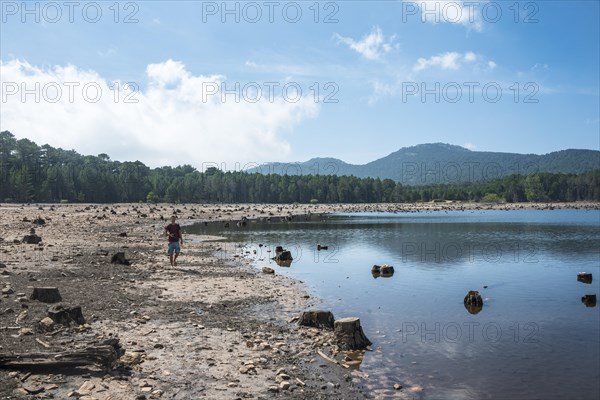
x=32, y=173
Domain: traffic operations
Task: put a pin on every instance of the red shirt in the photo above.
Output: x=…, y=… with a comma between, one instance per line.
x=174, y=232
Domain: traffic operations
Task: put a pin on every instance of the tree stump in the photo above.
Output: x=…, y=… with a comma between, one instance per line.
x=473, y=302
x=589, y=300
x=585, y=277
x=317, y=319
x=31, y=239
x=349, y=334
x=119, y=258
x=65, y=315
x=46, y=294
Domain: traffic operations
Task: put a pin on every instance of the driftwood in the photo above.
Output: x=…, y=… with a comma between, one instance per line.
x=349, y=334
x=104, y=355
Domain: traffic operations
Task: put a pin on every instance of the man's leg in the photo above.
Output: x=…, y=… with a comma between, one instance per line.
x=171, y=259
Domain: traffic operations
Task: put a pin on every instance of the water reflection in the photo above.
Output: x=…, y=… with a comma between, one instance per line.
x=526, y=345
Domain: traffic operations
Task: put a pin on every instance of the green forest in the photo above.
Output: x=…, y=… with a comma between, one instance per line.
x=32, y=173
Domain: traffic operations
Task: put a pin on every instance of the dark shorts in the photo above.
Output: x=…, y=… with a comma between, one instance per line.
x=173, y=248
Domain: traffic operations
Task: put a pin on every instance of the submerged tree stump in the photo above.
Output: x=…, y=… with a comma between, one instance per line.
x=349, y=334
x=584, y=277
x=589, y=300
x=46, y=294
x=318, y=319
x=473, y=302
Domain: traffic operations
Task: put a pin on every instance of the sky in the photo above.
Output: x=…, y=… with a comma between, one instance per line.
x=235, y=84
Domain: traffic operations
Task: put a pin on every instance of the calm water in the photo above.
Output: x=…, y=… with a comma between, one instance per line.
x=534, y=338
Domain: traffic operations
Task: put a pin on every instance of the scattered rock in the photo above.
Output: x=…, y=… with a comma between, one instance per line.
x=46, y=324
x=268, y=270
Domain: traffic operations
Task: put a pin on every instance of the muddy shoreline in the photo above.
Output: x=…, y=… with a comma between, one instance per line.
x=214, y=327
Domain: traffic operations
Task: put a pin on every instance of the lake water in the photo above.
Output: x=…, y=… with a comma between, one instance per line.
x=533, y=338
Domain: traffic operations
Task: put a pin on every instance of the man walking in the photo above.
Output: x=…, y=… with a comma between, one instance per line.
x=173, y=231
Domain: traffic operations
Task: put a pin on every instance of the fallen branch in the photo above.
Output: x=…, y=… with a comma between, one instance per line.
x=104, y=355
x=331, y=360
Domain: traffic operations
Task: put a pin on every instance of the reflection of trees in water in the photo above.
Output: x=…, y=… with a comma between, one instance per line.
x=425, y=242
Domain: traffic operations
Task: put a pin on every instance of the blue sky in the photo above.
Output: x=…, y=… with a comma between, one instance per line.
x=525, y=80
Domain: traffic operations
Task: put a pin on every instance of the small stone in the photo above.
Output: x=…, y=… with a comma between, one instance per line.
x=86, y=388
x=397, y=386
x=285, y=385
x=330, y=385
x=46, y=324
x=281, y=371
x=232, y=384
x=8, y=290
x=282, y=377
x=26, y=331
x=244, y=370
x=274, y=388
x=147, y=389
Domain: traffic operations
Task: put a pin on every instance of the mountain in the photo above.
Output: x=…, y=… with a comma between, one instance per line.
x=434, y=163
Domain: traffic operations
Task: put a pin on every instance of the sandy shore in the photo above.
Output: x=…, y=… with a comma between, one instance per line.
x=214, y=327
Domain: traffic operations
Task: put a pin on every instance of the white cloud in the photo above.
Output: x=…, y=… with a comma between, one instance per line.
x=451, y=60
x=466, y=13
x=372, y=46
x=183, y=122
x=469, y=146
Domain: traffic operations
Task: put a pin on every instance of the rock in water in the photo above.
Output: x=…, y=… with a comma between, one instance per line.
x=318, y=319
x=349, y=334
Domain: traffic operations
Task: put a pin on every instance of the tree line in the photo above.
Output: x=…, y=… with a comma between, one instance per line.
x=32, y=173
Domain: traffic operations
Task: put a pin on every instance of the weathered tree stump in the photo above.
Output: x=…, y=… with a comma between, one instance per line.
x=119, y=258
x=585, y=277
x=285, y=255
x=318, y=319
x=384, y=271
x=473, y=302
x=39, y=221
x=46, y=294
x=31, y=239
x=349, y=334
x=589, y=300
x=65, y=315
